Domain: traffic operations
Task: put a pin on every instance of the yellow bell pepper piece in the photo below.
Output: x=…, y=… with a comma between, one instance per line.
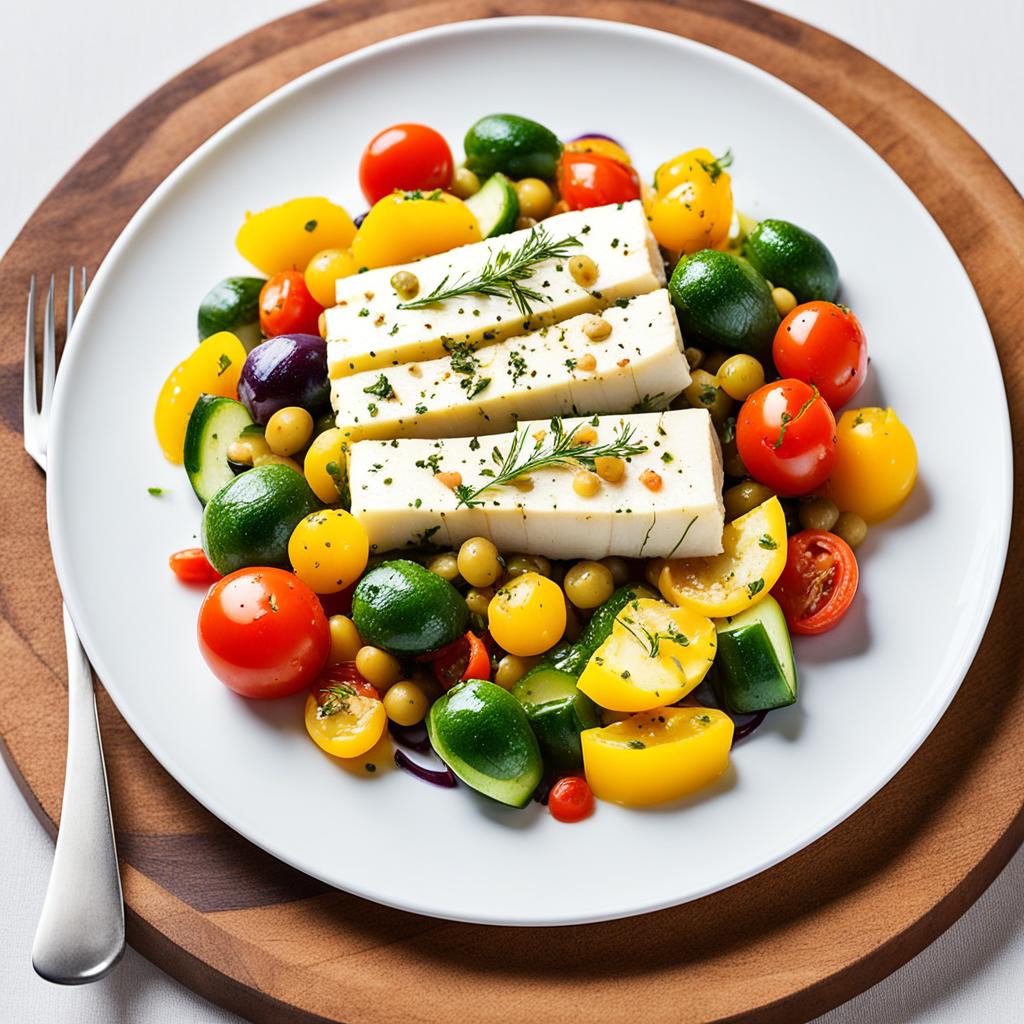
x=657, y=755
x=753, y=558
x=656, y=655
x=288, y=236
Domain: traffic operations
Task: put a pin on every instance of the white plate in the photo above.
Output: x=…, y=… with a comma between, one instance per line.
x=870, y=692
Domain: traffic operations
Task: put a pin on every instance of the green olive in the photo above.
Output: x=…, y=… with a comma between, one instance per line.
x=851, y=528
x=741, y=498
x=818, y=514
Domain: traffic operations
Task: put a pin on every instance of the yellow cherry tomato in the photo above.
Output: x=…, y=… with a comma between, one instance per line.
x=213, y=369
x=876, y=464
x=526, y=616
x=324, y=269
x=753, y=557
x=406, y=226
x=657, y=755
x=328, y=550
x=347, y=724
x=690, y=207
x=605, y=147
x=325, y=465
x=288, y=236
x=656, y=655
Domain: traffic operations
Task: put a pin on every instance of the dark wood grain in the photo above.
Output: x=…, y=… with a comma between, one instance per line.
x=258, y=937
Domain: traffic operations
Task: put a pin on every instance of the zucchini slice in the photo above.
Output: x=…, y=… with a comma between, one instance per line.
x=233, y=305
x=495, y=206
x=754, y=666
x=557, y=712
x=214, y=424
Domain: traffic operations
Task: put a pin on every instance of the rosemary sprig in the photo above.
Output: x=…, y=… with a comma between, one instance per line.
x=651, y=642
x=557, y=448
x=336, y=700
x=502, y=273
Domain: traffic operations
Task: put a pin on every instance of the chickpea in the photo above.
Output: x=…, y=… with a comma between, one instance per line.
x=405, y=703
x=478, y=562
x=586, y=484
x=270, y=459
x=525, y=223
x=535, y=198
x=694, y=357
x=784, y=299
x=713, y=360
x=741, y=498
x=445, y=565
x=377, y=667
x=818, y=514
x=740, y=376
x=406, y=284
x=345, y=639
x=651, y=480
x=589, y=584
x=289, y=430
x=703, y=392
x=618, y=567
x=584, y=271
x=597, y=328
x=478, y=598
x=851, y=528
x=246, y=449
x=586, y=362
x=511, y=669
x=610, y=468
x=464, y=183
x=321, y=325
x=583, y=436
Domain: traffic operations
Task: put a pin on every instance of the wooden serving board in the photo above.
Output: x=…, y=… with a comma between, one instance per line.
x=276, y=946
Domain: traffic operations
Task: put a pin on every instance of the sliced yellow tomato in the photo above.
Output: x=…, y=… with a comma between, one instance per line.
x=753, y=558
x=407, y=226
x=876, y=464
x=657, y=755
x=656, y=655
x=212, y=369
x=288, y=236
x=353, y=728
x=326, y=465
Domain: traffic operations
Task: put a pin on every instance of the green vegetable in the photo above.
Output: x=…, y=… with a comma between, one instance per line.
x=406, y=609
x=482, y=733
x=513, y=145
x=250, y=519
x=754, y=666
x=495, y=206
x=789, y=256
x=214, y=424
x=233, y=305
x=724, y=301
x=558, y=712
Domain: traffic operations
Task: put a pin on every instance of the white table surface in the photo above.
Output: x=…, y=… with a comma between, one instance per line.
x=966, y=59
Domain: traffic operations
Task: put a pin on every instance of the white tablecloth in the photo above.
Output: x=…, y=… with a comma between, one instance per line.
x=966, y=57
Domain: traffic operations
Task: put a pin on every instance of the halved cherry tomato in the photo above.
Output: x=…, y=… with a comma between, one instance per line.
x=286, y=307
x=818, y=583
x=191, y=566
x=263, y=633
x=405, y=157
x=786, y=437
x=571, y=799
x=344, y=673
x=823, y=344
x=590, y=179
x=465, y=658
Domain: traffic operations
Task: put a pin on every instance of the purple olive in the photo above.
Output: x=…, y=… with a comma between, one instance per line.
x=290, y=369
x=596, y=135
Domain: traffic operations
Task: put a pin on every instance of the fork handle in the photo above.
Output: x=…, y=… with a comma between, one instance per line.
x=80, y=936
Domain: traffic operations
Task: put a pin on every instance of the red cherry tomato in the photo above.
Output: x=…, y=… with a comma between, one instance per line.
x=570, y=799
x=590, y=179
x=263, y=633
x=343, y=674
x=406, y=157
x=786, y=437
x=191, y=566
x=465, y=658
x=286, y=307
x=823, y=344
x=818, y=582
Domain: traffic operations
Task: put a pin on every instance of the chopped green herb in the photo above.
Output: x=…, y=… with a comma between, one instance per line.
x=755, y=587
x=766, y=540
x=382, y=388
x=223, y=363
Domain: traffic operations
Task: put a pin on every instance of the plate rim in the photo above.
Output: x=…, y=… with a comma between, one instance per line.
x=62, y=557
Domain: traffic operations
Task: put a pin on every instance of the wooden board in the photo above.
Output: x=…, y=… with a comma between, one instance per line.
x=275, y=946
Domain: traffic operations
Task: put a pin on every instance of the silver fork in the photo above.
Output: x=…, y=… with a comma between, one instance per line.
x=80, y=936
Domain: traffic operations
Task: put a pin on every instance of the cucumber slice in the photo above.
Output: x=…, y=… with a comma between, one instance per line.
x=755, y=670
x=558, y=712
x=214, y=424
x=495, y=206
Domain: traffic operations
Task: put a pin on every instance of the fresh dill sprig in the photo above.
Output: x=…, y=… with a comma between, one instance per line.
x=556, y=448
x=651, y=642
x=337, y=700
x=502, y=273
